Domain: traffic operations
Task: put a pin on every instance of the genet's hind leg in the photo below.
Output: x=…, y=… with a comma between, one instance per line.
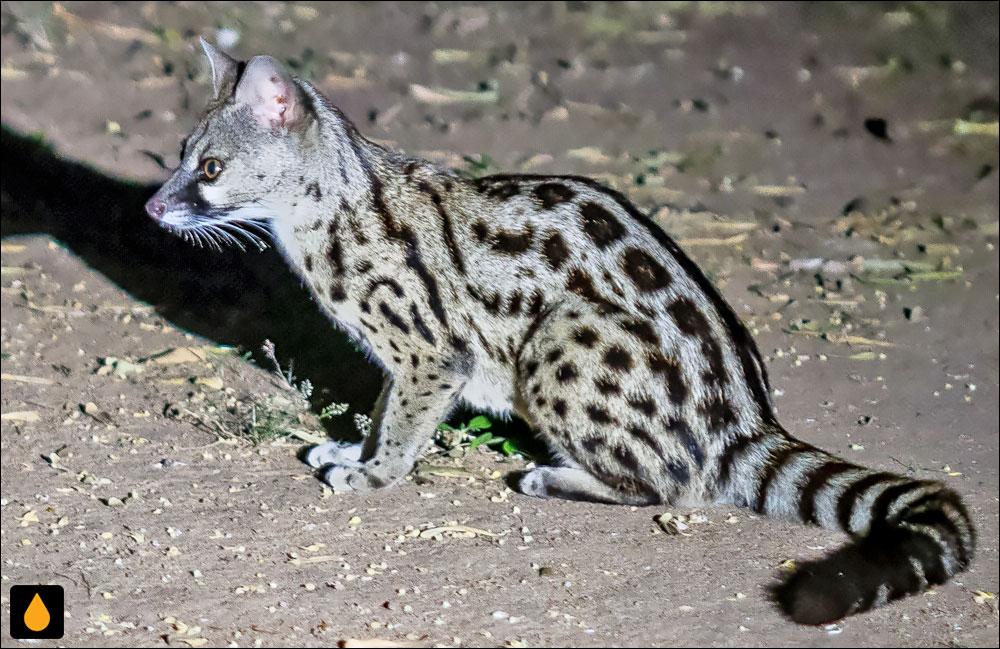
x=585, y=388
x=571, y=483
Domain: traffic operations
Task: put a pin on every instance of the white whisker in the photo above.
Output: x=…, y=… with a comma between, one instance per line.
x=239, y=228
x=224, y=236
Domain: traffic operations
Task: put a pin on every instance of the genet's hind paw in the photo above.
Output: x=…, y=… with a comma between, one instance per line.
x=333, y=453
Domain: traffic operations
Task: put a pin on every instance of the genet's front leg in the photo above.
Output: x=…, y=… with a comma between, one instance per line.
x=410, y=413
x=350, y=453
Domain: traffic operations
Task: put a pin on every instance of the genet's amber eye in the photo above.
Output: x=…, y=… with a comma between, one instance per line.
x=211, y=167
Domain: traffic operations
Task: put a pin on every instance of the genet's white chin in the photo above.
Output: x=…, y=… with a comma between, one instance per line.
x=177, y=220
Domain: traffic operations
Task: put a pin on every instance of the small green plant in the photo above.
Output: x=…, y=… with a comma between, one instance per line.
x=477, y=434
x=268, y=423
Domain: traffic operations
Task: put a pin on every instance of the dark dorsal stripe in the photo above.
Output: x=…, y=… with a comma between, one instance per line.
x=447, y=231
x=394, y=318
x=334, y=253
x=552, y=194
x=401, y=233
x=420, y=325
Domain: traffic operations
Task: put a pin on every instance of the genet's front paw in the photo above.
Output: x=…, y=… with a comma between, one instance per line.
x=343, y=477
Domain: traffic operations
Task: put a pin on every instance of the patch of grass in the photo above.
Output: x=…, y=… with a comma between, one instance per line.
x=269, y=422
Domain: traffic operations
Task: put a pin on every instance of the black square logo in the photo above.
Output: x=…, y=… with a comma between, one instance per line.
x=36, y=612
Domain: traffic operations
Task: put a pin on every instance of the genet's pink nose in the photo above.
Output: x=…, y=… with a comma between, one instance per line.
x=156, y=207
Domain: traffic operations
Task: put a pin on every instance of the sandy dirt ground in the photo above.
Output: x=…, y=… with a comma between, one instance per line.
x=832, y=167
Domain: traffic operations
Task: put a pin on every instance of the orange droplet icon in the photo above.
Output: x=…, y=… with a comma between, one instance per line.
x=36, y=617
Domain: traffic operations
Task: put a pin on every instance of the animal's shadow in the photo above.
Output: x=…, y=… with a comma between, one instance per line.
x=230, y=297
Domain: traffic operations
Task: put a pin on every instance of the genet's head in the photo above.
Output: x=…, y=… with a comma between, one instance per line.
x=233, y=164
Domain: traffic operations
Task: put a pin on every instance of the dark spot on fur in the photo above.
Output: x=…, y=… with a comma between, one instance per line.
x=559, y=407
x=447, y=231
x=580, y=282
x=481, y=230
x=719, y=414
x=359, y=234
x=586, y=337
x=626, y=459
x=554, y=355
x=337, y=292
x=692, y=322
x=606, y=386
x=307, y=261
x=617, y=358
x=552, y=194
x=555, y=250
x=513, y=243
x=600, y=225
x=682, y=432
x=598, y=415
x=671, y=371
x=460, y=344
x=536, y=303
x=591, y=444
x=503, y=191
x=645, y=406
x=312, y=189
x=566, y=373
x=490, y=301
x=641, y=329
x=530, y=368
x=646, y=273
x=515, y=304
x=362, y=267
x=679, y=471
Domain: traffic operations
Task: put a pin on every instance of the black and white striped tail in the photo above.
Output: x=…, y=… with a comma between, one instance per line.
x=907, y=534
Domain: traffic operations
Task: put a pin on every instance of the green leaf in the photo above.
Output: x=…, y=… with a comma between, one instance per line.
x=479, y=423
x=509, y=448
x=444, y=426
x=482, y=439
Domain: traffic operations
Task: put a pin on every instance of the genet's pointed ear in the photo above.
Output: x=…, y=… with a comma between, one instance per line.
x=224, y=69
x=269, y=90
